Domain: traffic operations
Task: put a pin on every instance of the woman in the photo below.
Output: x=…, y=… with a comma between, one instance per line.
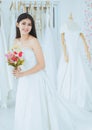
x=38, y=107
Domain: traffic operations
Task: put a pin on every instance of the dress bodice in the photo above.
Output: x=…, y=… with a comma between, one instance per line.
x=72, y=41
x=72, y=35
x=29, y=58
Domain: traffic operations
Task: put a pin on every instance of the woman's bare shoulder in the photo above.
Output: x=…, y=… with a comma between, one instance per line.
x=32, y=38
x=34, y=41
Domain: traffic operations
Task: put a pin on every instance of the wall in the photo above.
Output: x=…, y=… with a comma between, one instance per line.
x=76, y=7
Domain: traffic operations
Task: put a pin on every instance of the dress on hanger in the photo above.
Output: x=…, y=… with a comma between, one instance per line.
x=74, y=82
x=48, y=45
x=12, y=33
x=4, y=83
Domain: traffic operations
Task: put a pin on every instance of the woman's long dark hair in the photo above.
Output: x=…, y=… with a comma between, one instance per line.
x=25, y=16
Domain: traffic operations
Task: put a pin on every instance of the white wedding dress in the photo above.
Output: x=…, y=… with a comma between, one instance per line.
x=39, y=107
x=74, y=78
x=49, y=49
x=4, y=83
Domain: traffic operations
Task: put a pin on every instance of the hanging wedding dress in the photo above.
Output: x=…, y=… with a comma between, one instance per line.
x=49, y=49
x=12, y=81
x=7, y=40
x=4, y=83
x=74, y=78
x=13, y=26
x=39, y=107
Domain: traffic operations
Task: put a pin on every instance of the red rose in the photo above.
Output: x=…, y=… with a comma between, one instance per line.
x=15, y=52
x=14, y=58
x=20, y=54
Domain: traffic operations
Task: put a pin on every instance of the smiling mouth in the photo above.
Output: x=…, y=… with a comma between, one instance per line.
x=25, y=30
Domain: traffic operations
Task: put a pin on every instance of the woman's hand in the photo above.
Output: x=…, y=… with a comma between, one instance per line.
x=17, y=73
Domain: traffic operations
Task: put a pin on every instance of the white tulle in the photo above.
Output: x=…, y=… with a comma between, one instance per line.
x=74, y=82
x=39, y=107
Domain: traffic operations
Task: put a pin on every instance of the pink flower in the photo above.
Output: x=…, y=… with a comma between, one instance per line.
x=14, y=58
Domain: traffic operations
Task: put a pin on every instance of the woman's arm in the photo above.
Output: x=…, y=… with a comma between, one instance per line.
x=85, y=46
x=40, y=61
x=64, y=47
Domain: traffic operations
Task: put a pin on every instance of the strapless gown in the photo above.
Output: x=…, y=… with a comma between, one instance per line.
x=39, y=107
x=74, y=78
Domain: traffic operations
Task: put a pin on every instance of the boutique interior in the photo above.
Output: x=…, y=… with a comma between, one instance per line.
x=50, y=17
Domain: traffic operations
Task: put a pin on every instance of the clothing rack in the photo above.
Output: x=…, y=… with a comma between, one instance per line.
x=27, y=5
x=38, y=9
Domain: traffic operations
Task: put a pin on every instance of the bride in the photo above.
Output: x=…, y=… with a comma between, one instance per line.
x=38, y=106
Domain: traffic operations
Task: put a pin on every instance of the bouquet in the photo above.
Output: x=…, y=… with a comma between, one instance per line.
x=15, y=57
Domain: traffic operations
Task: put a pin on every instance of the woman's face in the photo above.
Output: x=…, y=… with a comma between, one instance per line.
x=25, y=26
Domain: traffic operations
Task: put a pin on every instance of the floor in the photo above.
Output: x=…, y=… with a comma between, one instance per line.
x=7, y=114
x=7, y=118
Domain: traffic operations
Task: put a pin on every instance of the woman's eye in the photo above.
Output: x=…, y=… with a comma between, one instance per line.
x=29, y=24
x=23, y=23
